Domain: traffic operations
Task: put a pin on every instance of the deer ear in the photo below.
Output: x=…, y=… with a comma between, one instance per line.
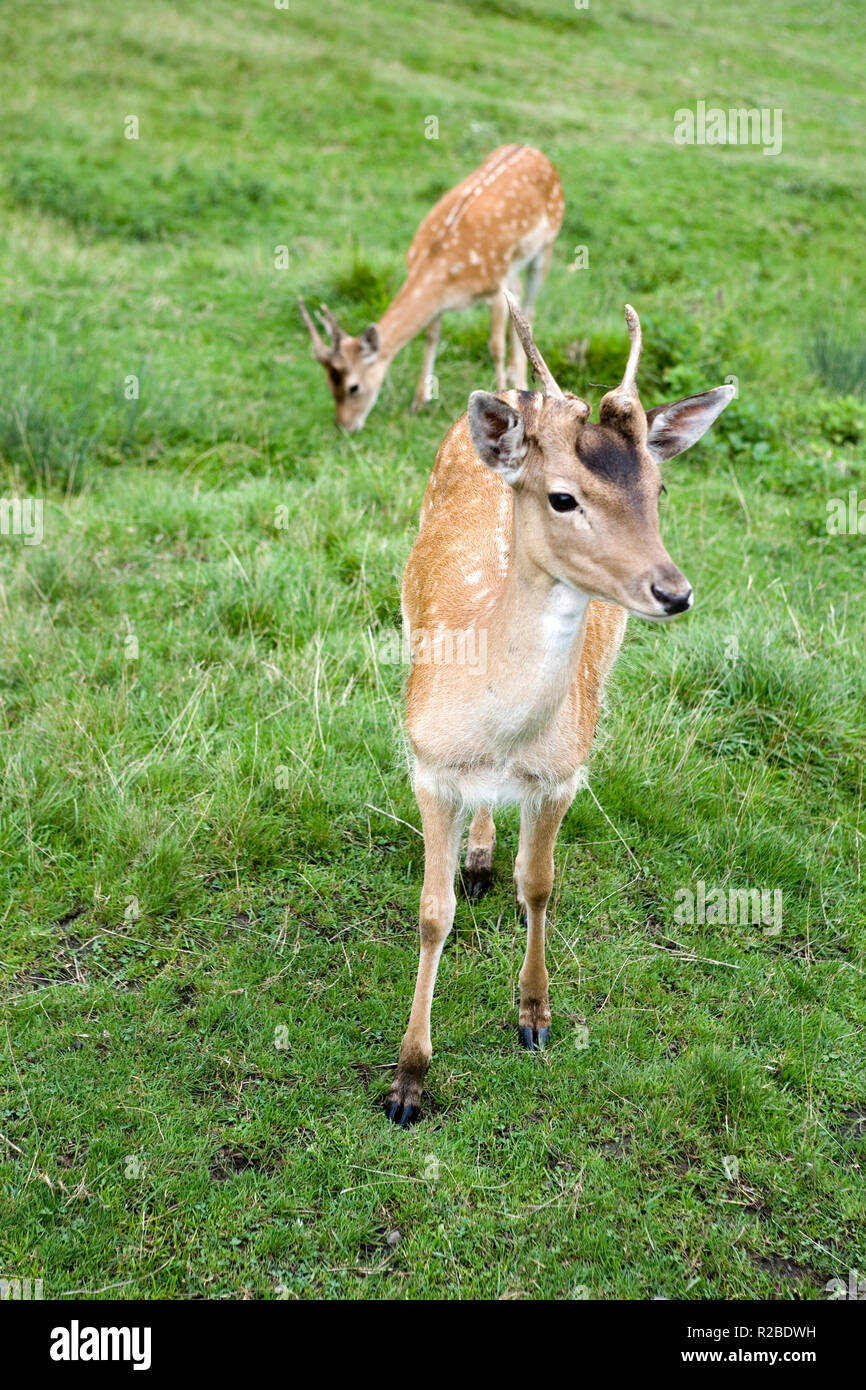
x=369, y=343
x=673, y=428
x=498, y=434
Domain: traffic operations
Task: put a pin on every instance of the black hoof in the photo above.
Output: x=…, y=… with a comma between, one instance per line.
x=402, y=1115
x=534, y=1039
x=476, y=883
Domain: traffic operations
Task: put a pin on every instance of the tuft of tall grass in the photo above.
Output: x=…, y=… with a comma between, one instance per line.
x=839, y=360
x=42, y=442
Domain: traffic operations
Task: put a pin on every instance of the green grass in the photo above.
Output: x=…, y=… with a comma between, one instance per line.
x=208, y=872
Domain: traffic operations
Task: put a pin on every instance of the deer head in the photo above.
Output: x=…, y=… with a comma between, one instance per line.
x=586, y=495
x=354, y=367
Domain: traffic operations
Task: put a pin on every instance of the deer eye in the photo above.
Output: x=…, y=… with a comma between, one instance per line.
x=562, y=501
x=354, y=388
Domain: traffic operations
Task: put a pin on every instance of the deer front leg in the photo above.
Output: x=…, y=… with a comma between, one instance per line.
x=478, y=868
x=533, y=878
x=498, y=317
x=516, y=373
x=535, y=275
x=424, y=391
x=442, y=822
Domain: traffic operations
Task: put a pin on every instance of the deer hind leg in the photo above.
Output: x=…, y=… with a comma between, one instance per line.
x=535, y=273
x=426, y=383
x=478, y=866
x=498, y=317
x=533, y=878
x=442, y=822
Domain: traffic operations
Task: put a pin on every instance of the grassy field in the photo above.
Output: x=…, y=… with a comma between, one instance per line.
x=209, y=867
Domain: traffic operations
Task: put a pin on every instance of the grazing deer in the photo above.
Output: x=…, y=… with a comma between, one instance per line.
x=502, y=218
x=531, y=515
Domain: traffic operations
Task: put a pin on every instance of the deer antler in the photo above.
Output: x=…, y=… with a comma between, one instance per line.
x=635, y=339
x=620, y=407
x=322, y=353
x=334, y=328
x=524, y=333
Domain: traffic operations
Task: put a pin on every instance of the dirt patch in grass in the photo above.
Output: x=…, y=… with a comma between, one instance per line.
x=853, y=1124
x=230, y=1161
x=785, y=1270
x=614, y=1148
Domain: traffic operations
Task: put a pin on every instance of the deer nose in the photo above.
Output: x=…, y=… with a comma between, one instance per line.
x=672, y=603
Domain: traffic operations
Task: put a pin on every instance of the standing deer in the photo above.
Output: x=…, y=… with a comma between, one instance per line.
x=532, y=514
x=502, y=218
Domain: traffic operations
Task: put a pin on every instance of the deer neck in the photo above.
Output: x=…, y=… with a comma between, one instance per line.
x=410, y=310
x=535, y=635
